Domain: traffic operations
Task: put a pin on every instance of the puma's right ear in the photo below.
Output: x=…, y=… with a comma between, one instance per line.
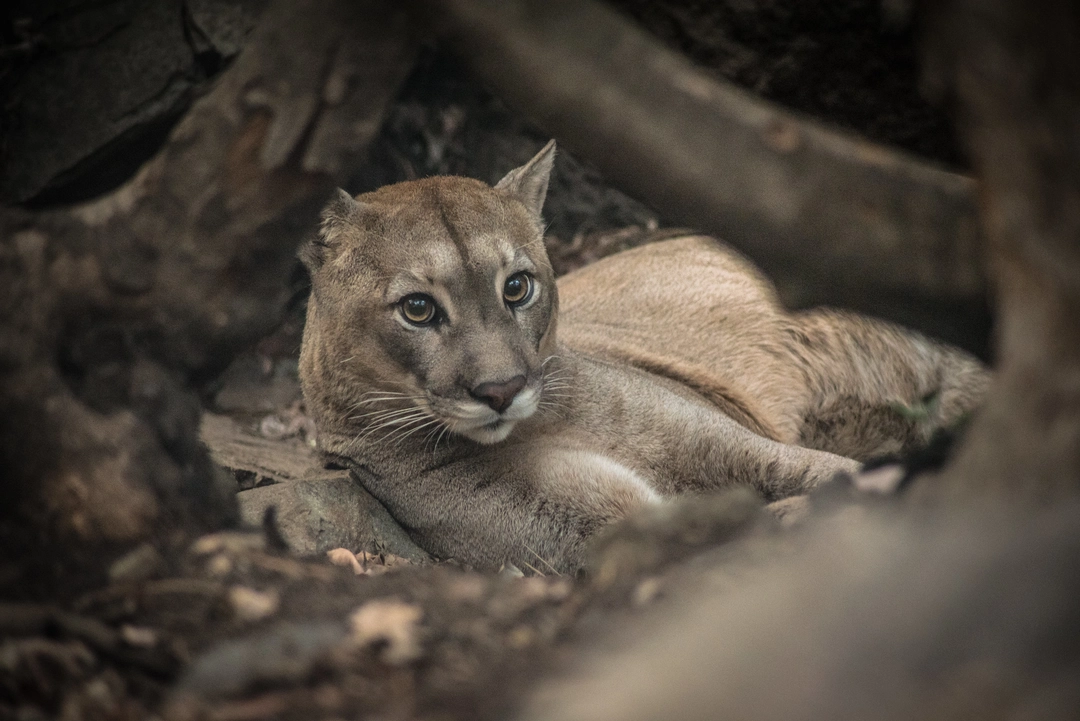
x=529, y=183
x=339, y=213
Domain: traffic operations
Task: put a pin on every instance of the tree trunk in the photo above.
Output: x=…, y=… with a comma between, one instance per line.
x=1012, y=72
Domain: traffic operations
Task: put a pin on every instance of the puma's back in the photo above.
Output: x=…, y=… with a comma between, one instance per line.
x=694, y=310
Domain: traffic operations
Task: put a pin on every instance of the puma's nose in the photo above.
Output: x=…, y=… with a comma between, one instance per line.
x=498, y=396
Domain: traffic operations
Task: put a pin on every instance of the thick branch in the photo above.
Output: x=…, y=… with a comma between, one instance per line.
x=834, y=219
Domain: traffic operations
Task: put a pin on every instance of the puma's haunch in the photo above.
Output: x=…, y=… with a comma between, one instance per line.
x=432, y=367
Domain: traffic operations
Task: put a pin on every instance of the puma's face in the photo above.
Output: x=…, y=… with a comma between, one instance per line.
x=434, y=306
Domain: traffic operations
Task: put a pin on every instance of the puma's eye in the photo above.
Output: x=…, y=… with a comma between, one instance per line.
x=518, y=289
x=418, y=309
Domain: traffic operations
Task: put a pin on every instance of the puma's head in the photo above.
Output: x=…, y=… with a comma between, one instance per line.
x=433, y=306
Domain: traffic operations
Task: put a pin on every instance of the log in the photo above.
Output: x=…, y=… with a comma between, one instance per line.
x=834, y=219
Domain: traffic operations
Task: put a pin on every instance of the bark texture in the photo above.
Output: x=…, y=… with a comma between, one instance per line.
x=1012, y=73
x=112, y=312
x=93, y=87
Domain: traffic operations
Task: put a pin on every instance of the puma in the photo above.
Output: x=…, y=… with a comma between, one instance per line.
x=501, y=416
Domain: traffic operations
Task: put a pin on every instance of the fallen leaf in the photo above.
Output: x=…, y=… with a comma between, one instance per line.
x=228, y=542
x=389, y=621
x=138, y=636
x=251, y=605
x=346, y=558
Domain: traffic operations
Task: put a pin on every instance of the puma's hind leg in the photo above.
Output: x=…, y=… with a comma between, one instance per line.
x=877, y=388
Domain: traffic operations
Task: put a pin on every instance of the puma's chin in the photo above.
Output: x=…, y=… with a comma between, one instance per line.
x=491, y=433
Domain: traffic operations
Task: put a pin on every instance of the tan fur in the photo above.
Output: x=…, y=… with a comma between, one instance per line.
x=823, y=379
x=674, y=370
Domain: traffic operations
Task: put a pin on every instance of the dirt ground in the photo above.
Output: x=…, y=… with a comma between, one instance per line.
x=234, y=626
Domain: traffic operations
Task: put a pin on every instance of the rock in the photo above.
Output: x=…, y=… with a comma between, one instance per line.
x=254, y=459
x=116, y=70
x=104, y=88
x=319, y=514
x=317, y=509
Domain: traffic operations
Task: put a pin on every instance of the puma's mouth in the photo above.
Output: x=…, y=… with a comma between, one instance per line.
x=479, y=423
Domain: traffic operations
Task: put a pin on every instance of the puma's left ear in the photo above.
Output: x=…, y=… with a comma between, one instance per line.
x=341, y=211
x=529, y=183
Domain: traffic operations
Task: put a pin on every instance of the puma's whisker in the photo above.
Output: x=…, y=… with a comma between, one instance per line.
x=433, y=432
x=382, y=397
x=410, y=430
x=442, y=434
x=415, y=415
x=543, y=560
x=378, y=415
